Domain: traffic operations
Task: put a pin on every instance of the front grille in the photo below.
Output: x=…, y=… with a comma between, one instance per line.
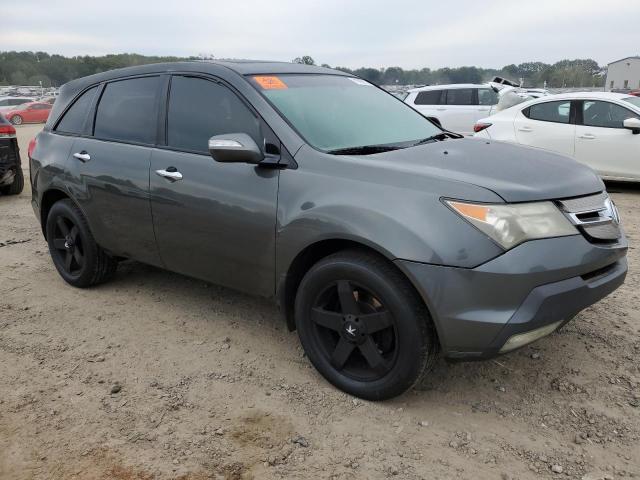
x=584, y=204
x=595, y=216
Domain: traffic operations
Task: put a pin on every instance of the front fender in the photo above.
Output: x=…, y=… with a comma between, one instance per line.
x=399, y=215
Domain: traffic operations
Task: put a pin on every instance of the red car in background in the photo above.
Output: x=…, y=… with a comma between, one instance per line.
x=635, y=93
x=34, y=112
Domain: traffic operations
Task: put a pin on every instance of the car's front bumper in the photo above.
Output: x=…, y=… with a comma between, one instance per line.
x=534, y=285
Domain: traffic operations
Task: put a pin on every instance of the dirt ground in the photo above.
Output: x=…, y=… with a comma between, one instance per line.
x=210, y=384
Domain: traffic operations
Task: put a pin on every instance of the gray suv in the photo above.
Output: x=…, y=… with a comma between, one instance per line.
x=384, y=239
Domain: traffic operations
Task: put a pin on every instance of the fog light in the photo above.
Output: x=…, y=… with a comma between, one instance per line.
x=522, y=339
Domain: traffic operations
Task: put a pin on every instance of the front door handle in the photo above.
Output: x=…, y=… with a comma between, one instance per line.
x=441, y=109
x=588, y=136
x=174, y=176
x=525, y=129
x=83, y=156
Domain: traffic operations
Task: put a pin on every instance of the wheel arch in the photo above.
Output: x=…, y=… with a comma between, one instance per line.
x=311, y=254
x=49, y=198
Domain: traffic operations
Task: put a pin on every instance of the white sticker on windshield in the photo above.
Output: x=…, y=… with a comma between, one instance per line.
x=359, y=81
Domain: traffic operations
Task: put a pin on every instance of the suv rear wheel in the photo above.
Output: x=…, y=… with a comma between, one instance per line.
x=77, y=257
x=363, y=326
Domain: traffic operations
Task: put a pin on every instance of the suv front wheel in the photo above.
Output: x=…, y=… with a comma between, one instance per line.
x=77, y=257
x=363, y=326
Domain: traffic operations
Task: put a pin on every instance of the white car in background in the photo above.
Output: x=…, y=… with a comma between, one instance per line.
x=600, y=129
x=11, y=103
x=456, y=107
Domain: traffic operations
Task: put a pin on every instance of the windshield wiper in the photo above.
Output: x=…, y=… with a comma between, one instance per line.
x=364, y=150
x=438, y=137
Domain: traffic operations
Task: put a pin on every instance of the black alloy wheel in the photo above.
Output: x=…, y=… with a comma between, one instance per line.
x=355, y=331
x=363, y=325
x=68, y=245
x=78, y=258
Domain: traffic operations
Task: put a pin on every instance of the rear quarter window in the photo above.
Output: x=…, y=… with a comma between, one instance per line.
x=74, y=120
x=460, y=96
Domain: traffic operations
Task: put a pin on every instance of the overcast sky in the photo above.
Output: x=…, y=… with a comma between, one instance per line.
x=409, y=34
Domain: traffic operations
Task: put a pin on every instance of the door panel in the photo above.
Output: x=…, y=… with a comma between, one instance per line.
x=604, y=144
x=461, y=110
x=218, y=222
x=112, y=188
x=548, y=126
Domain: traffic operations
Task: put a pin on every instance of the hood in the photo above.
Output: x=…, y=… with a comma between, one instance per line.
x=514, y=172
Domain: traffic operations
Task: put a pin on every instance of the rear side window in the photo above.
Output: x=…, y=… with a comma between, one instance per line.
x=605, y=114
x=557, y=112
x=200, y=109
x=429, y=97
x=73, y=120
x=127, y=111
x=460, y=96
x=486, y=96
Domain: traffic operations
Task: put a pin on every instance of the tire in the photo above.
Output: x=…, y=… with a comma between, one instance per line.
x=363, y=326
x=17, y=186
x=75, y=254
x=16, y=120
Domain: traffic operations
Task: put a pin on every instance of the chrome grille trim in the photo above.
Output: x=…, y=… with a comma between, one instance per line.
x=594, y=215
x=592, y=203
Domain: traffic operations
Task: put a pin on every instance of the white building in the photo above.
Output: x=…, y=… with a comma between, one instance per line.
x=624, y=73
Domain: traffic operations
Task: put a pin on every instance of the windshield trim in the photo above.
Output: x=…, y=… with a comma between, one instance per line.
x=345, y=75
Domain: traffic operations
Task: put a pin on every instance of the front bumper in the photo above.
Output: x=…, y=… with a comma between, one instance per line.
x=536, y=284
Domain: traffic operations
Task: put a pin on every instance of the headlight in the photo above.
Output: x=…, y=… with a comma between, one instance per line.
x=510, y=225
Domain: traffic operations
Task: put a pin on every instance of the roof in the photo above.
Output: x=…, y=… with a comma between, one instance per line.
x=586, y=95
x=241, y=67
x=220, y=68
x=449, y=86
x=636, y=57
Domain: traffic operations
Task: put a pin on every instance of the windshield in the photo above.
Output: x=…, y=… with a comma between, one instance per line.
x=334, y=112
x=635, y=101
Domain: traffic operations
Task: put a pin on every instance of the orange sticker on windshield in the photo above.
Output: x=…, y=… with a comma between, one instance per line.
x=270, y=82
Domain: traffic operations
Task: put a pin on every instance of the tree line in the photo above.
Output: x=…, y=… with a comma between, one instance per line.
x=31, y=68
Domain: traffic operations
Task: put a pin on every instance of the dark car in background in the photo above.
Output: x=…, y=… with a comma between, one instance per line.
x=383, y=238
x=11, y=177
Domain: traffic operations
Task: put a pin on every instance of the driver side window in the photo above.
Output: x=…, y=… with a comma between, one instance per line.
x=199, y=109
x=604, y=114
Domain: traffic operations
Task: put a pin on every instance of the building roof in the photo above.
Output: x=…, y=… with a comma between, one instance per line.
x=635, y=57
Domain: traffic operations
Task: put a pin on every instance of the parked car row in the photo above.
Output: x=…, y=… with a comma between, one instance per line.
x=457, y=107
x=599, y=129
x=596, y=128
x=19, y=110
x=385, y=239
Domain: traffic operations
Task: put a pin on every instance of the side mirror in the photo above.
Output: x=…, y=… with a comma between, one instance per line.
x=632, y=124
x=235, y=148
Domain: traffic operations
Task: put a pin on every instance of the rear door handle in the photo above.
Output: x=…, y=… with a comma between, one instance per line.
x=169, y=175
x=525, y=129
x=441, y=109
x=588, y=136
x=83, y=156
